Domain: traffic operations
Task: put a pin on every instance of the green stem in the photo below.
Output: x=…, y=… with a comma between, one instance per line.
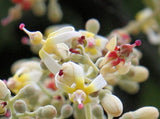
x=32, y=114
x=88, y=112
x=10, y=105
x=44, y=90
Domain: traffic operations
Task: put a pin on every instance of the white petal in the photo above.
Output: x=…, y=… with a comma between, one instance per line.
x=50, y=63
x=65, y=37
x=97, y=84
x=62, y=30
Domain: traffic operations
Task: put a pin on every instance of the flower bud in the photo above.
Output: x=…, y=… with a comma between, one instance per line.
x=4, y=91
x=130, y=87
x=138, y=73
x=66, y=111
x=20, y=106
x=39, y=8
x=92, y=25
x=28, y=91
x=147, y=112
x=112, y=105
x=97, y=111
x=54, y=11
x=46, y=112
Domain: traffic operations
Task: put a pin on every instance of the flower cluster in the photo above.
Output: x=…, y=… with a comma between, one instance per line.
x=38, y=7
x=75, y=75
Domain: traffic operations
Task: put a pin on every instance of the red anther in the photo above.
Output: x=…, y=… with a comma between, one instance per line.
x=26, y=4
x=3, y=104
x=52, y=85
x=25, y=40
x=58, y=97
x=7, y=114
x=112, y=54
x=5, y=21
x=125, y=36
x=138, y=42
x=117, y=48
x=81, y=40
x=74, y=51
x=21, y=26
x=17, y=1
x=80, y=106
x=51, y=75
x=60, y=72
x=116, y=62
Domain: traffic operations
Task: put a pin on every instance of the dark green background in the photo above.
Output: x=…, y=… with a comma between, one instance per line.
x=111, y=14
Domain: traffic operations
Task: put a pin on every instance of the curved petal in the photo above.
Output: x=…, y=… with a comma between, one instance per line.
x=63, y=86
x=97, y=84
x=62, y=30
x=50, y=63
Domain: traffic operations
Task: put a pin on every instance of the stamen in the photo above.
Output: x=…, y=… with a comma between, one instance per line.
x=138, y=42
x=81, y=40
x=21, y=26
x=74, y=51
x=80, y=106
x=60, y=73
x=51, y=75
x=35, y=37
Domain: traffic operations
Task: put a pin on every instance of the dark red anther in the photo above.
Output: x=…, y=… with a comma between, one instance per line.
x=60, y=72
x=74, y=51
x=81, y=40
x=3, y=104
x=112, y=54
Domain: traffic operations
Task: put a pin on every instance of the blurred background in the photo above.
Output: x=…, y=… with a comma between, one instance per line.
x=111, y=14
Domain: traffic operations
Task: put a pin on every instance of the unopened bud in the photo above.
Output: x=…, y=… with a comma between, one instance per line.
x=4, y=91
x=130, y=87
x=66, y=111
x=46, y=112
x=92, y=25
x=28, y=91
x=20, y=106
x=112, y=105
x=139, y=73
x=147, y=112
x=54, y=11
x=97, y=110
x=39, y=8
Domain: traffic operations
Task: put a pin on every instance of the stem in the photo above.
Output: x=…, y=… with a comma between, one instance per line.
x=110, y=116
x=88, y=112
x=10, y=105
x=44, y=90
x=32, y=114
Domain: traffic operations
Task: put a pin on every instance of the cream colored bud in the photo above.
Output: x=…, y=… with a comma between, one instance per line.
x=54, y=11
x=39, y=8
x=130, y=87
x=138, y=73
x=147, y=112
x=112, y=105
x=46, y=112
x=92, y=25
x=28, y=91
x=4, y=91
x=20, y=106
x=66, y=111
x=97, y=110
